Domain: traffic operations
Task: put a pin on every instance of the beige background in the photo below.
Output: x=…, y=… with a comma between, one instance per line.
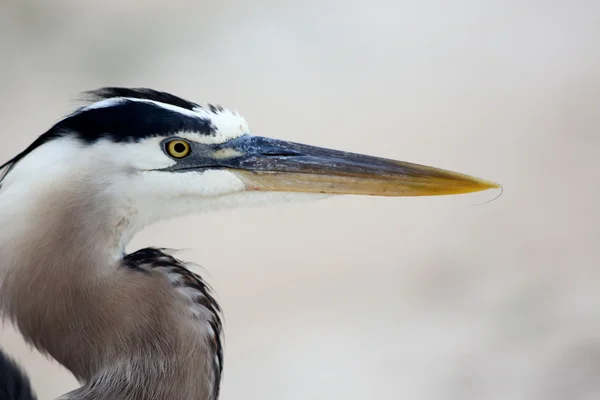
x=365, y=298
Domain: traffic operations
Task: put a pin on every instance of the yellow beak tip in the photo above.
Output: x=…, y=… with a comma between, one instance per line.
x=490, y=185
x=483, y=185
x=494, y=185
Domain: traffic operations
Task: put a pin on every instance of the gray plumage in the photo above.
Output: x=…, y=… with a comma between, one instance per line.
x=137, y=329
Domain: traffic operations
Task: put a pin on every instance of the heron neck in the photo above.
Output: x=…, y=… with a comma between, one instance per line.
x=62, y=287
x=58, y=245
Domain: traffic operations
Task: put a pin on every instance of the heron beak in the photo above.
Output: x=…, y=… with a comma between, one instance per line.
x=275, y=165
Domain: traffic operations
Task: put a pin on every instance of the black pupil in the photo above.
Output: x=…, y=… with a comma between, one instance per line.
x=179, y=147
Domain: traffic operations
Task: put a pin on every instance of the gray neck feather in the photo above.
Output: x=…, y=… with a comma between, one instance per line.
x=62, y=285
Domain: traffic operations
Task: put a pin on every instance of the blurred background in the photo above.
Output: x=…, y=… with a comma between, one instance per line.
x=350, y=297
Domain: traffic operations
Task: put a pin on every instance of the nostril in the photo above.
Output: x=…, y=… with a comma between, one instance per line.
x=280, y=153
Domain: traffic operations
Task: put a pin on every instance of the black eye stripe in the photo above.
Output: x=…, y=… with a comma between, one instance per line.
x=127, y=120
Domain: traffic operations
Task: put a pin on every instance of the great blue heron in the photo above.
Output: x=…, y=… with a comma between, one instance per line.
x=142, y=326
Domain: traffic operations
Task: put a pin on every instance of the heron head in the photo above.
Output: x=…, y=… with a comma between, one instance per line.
x=165, y=156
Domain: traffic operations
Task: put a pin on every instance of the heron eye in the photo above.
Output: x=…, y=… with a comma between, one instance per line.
x=178, y=148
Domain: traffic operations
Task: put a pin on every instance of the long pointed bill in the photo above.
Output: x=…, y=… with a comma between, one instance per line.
x=275, y=165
